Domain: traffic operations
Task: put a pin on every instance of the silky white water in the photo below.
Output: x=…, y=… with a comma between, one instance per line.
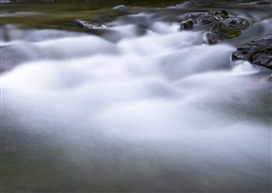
x=157, y=112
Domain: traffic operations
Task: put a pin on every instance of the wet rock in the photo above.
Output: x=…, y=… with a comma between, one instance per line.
x=90, y=25
x=258, y=52
x=187, y=25
x=120, y=7
x=218, y=24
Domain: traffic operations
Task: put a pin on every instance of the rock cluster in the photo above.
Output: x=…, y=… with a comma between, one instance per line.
x=218, y=24
x=258, y=52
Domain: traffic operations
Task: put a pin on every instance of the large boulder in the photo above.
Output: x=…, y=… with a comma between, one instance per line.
x=218, y=24
x=258, y=52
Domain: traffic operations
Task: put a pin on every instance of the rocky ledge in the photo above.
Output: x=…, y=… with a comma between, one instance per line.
x=257, y=52
x=219, y=24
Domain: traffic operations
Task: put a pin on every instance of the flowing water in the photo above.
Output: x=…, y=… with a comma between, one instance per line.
x=99, y=98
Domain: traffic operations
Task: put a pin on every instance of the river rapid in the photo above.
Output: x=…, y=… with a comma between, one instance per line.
x=128, y=102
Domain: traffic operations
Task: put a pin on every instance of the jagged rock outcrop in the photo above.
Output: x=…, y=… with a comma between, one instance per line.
x=258, y=52
x=218, y=24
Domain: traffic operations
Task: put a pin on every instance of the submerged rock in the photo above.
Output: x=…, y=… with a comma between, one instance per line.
x=15, y=54
x=258, y=52
x=219, y=24
x=270, y=77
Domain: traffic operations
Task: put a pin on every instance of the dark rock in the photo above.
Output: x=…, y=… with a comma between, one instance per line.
x=258, y=52
x=218, y=24
x=187, y=25
x=224, y=14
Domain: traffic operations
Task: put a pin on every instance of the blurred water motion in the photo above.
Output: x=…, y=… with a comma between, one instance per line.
x=141, y=107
